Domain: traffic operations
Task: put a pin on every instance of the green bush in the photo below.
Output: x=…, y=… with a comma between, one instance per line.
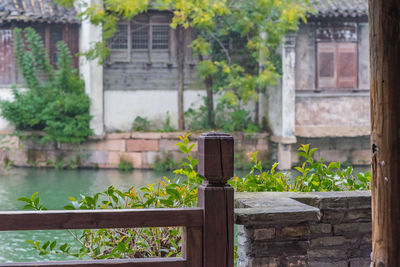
x=55, y=101
x=125, y=166
x=166, y=193
x=141, y=124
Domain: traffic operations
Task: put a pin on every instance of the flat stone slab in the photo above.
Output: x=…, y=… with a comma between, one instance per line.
x=269, y=210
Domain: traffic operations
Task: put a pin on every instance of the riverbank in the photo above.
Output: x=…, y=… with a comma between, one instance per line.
x=107, y=151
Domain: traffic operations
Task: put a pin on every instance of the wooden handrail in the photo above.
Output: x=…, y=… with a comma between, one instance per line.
x=95, y=219
x=148, y=262
x=207, y=237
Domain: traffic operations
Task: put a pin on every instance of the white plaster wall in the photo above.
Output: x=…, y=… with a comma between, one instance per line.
x=121, y=107
x=92, y=72
x=5, y=94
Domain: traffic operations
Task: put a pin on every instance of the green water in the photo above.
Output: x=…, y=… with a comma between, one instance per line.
x=54, y=188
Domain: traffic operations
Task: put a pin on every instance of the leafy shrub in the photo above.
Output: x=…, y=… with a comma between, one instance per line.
x=141, y=124
x=165, y=163
x=167, y=127
x=56, y=102
x=146, y=242
x=140, y=242
x=125, y=166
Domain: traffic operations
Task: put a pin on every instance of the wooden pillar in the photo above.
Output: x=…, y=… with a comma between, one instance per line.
x=384, y=21
x=216, y=198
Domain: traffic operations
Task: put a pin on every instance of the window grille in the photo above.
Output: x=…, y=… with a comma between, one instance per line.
x=160, y=36
x=140, y=33
x=120, y=38
x=55, y=37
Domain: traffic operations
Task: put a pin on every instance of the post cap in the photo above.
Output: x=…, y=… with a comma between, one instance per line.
x=215, y=152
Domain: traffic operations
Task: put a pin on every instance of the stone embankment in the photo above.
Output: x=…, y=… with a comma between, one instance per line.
x=322, y=229
x=107, y=151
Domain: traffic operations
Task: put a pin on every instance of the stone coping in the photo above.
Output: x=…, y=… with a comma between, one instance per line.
x=287, y=207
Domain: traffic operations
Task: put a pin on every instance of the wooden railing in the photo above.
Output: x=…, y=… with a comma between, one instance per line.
x=207, y=238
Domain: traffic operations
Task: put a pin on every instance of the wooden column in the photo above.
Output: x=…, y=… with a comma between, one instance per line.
x=216, y=198
x=384, y=21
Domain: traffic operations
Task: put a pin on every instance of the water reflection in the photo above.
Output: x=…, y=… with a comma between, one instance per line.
x=54, y=188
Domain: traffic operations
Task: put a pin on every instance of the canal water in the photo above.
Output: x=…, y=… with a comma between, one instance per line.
x=54, y=188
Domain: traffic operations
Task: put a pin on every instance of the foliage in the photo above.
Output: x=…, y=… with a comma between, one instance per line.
x=56, y=102
x=166, y=193
x=125, y=166
x=165, y=163
x=236, y=40
x=167, y=127
x=197, y=119
x=141, y=124
x=313, y=176
x=140, y=242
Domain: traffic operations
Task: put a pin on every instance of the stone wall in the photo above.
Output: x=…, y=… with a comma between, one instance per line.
x=322, y=229
x=107, y=151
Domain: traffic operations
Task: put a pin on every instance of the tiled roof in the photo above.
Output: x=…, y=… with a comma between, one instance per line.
x=339, y=8
x=35, y=10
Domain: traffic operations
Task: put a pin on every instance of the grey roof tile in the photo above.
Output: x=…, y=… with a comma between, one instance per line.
x=339, y=8
x=36, y=10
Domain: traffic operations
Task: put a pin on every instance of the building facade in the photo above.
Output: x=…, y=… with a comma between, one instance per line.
x=324, y=95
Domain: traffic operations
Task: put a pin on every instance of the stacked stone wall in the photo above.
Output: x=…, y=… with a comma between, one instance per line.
x=107, y=151
x=324, y=229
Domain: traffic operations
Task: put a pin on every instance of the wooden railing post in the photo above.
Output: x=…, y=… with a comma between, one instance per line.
x=215, y=152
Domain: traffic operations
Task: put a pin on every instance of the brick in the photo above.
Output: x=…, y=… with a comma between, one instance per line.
x=290, y=248
x=295, y=261
x=98, y=157
x=110, y=145
x=352, y=228
x=118, y=136
x=360, y=263
x=264, y=262
x=321, y=228
x=326, y=253
x=333, y=216
x=363, y=215
x=137, y=145
x=327, y=264
x=140, y=135
x=295, y=231
x=168, y=145
x=114, y=158
x=264, y=234
x=153, y=156
x=333, y=241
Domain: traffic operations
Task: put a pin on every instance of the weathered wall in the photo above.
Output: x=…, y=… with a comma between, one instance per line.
x=121, y=107
x=351, y=150
x=330, y=113
x=321, y=229
x=5, y=94
x=323, y=115
x=140, y=149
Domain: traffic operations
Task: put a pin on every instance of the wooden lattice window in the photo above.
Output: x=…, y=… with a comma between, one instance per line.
x=140, y=35
x=337, y=65
x=160, y=36
x=120, y=38
x=145, y=38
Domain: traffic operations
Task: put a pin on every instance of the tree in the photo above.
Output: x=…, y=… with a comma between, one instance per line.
x=237, y=41
x=56, y=102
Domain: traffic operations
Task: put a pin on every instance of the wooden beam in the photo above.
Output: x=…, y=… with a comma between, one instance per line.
x=384, y=27
x=148, y=262
x=95, y=219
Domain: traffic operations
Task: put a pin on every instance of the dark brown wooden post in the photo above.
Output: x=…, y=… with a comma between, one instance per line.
x=384, y=26
x=215, y=152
